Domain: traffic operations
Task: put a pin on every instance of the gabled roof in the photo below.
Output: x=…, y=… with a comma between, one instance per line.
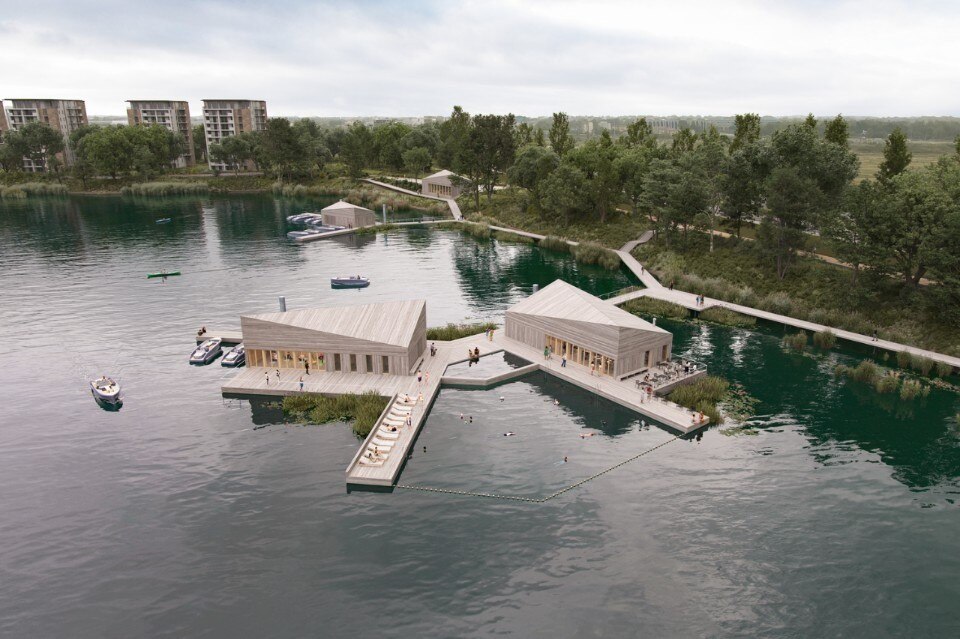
x=443, y=173
x=344, y=205
x=391, y=323
x=561, y=300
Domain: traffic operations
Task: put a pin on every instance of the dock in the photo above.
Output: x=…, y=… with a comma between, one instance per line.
x=228, y=338
x=265, y=382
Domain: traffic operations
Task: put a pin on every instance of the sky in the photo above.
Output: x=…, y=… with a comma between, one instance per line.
x=421, y=57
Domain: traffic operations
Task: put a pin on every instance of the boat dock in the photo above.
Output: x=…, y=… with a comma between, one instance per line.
x=265, y=382
x=229, y=338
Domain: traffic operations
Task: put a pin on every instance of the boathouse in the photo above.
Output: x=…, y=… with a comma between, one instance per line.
x=589, y=331
x=440, y=184
x=384, y=337
x=347, y=215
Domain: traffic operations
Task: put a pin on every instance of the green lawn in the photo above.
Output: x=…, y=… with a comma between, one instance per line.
x=870, y=153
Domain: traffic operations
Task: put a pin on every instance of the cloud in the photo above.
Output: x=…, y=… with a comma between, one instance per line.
x=531, y=58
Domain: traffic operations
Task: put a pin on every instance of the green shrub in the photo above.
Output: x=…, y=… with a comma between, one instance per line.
x=554, y=243
x=363, y=409
x=451, y=332
x=943, y=369
x=720, y=315
x=27, y=189
x=778, y=302
x=591, y=253
x=650, y=306
x=903, y=359
x=481, y=231
x=507, y=236
x=841, y=370
x=703, y=394
x=910, y=389
x=866, y=371
x=796, y=341
x=922, y=364
x=824, y=339
x=886, y=384
x=154, y=189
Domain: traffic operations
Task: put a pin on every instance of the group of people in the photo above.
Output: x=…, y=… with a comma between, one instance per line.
x=700, y=300
x=473, y=356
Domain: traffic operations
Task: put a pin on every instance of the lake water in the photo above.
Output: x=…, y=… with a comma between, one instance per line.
x=174, y=517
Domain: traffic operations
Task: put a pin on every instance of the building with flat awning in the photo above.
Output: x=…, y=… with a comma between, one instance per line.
x=588, y=331
x=384, y=337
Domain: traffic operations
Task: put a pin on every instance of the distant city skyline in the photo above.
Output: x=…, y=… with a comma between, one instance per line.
x=389, y=59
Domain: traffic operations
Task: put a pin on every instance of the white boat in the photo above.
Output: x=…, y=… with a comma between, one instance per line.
x=106, y=390
x=235, y=357
x=354, y=281
x=206, y=352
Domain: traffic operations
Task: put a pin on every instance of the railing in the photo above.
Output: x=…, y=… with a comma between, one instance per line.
x=618, y=293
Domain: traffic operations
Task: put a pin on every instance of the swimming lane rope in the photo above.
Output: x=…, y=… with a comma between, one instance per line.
x=535, y=500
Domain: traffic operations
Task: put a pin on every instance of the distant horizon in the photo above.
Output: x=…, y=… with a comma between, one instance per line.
x=358, y=59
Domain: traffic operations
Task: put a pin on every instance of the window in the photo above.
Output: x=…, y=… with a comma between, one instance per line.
x=663, y=355
x=384, y=364
x=353, y=363
x=336, y=361
x=646, y=359
x=369, y=363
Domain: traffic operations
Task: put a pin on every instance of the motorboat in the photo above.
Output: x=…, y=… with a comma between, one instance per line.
x=206, y=352
x=106, y=391
x=234, y=358
x=354, y=281
x=297, y=234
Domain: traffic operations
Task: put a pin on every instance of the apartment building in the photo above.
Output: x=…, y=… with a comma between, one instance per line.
x=65, y=116
x=3, y=119
x=225, y=118
x=173, y=115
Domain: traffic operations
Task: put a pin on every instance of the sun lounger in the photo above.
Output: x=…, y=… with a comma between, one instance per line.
x=386, y=433
x=366, y=461
x=382, y=443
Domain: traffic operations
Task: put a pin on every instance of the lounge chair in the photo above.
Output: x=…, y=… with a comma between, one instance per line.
x=382, y=443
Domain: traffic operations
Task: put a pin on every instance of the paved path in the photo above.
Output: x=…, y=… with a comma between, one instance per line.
x=454, y=207
x=632, y=244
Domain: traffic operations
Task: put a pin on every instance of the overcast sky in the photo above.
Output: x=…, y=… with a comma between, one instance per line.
x=530, y=58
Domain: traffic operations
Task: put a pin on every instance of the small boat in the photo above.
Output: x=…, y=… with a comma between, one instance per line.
x=354, y=281
x=206, y=352
x=106, y=391
x=234, y=358
x=164, y=274
x=164, y=220
x=295, y=234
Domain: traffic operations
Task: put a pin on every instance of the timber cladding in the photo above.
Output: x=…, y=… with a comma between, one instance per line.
x=393, y=330
x=625, y=345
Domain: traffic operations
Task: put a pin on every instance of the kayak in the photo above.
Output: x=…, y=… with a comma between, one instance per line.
x=170, y=274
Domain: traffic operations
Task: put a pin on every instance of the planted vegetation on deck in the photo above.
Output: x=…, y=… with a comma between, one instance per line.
x=451, y=331
x=363, y=409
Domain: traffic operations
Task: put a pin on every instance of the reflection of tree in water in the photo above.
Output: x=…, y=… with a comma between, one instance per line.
x=264, y=412
x=906, y=434
x=490, y=271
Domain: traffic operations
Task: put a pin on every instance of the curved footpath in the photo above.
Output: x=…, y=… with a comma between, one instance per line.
x=657, y=290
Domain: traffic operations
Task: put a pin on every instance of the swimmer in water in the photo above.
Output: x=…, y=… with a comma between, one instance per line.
x=564, y=459
x=510, y=434
x=556, y=402
x=502, y=398
x=585, y=435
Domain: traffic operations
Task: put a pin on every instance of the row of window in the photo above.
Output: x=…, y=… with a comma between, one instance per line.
x=317, y=361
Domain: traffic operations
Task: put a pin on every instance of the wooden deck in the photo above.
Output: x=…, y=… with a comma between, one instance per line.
x=230, y=338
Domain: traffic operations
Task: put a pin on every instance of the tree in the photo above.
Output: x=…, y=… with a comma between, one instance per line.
x=560, y=139
x=40, y=143
x=792, y=202
x=657, y=197
x=538, y=137
x=492, y=148
x=281, y=148
x=388, y=144
x=746, y=130
x=417, y=160
x=108, y=150
x=233, y=151
x=896, y=157
x=956, y=145
x=837, y=132
x=597, y=161
x=810, y=122
x=532, y=166
x=632, y=165
x=850, y=229
x=683, y=141
x=454, y=151
x=356, y=148
x=11, y=155
x=199, y=143
x=524, y=134
x=313, y=143
x=639, y=134
x=564, y=192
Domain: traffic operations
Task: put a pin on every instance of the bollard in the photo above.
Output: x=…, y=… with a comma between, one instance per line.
x=283, y=304
x=536, y=287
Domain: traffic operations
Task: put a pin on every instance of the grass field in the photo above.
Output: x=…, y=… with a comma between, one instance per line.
x=870, y=153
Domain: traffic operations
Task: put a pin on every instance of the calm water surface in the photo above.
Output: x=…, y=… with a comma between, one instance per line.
x=174, y=517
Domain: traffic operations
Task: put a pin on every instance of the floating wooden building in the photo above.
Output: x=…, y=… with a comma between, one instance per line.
x=587, y=330
x=347, y=215
x=384, y=337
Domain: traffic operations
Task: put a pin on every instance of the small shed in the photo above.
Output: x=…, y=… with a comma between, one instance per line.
x=440, y=184
x=347, y=215
x=587, y=331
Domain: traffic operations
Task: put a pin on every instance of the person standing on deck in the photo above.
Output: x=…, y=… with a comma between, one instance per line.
x=278, y=374
x=306, y=366
x=267, y=376
x=546, y=352
x=301, y=384
x=563, y=360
